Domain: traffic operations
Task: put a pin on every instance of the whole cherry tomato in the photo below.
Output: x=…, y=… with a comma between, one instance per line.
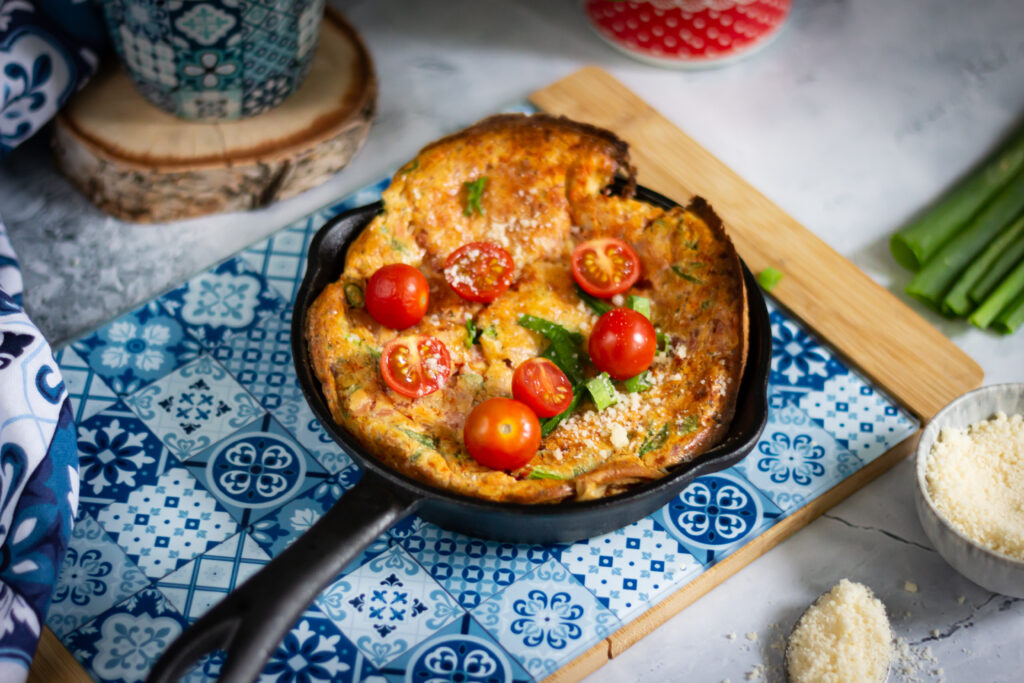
x=397, y=296
x=479, y=271
x=502, y=433
x=543, y=386
x=623, y=343
x=605, y=266
x=415, y=365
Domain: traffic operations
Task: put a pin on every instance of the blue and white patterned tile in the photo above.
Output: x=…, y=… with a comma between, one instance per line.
x=96, y=575
x=137, y=348
x=260, y=358
x=795, y=460
x=859, y=416
x=88, y=392
x=800, y=362
x=256, y=470
x=116, y=454
x=546, y=619
x=195, y=406
x=314, y=650
x=471, y=569
x=277, y=530
x=388, y=606
x=630, y=569
x=164, y=525
x=298, y=418
x=462, y=651
x=281, y=258
x=200, y=584
x=717, y=514
x=122, y=644
x=228, y=298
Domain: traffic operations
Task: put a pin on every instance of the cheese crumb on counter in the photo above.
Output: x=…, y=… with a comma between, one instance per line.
x=910, y=586
x=975, y=479
x=844, y=636
x=752, y=636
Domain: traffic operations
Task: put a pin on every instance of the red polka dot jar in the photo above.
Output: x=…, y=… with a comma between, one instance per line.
x=687, y=33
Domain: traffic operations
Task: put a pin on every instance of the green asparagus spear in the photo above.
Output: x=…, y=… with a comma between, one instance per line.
x=915, y=245
x=957, y=301
x=933, y=281
x=1007, y=259
x=1002, y=296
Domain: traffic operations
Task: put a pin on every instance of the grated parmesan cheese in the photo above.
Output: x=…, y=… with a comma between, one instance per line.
x=975, y=479
x=619, y=437
x=844, y=636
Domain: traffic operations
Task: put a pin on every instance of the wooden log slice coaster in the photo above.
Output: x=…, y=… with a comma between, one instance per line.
x=139, y=163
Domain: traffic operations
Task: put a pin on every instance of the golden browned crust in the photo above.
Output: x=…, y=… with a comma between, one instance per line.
x=545, y=193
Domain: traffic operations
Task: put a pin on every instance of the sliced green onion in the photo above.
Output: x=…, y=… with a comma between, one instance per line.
x=474, y=192
x=662, y=340
x=686, y=274
x=921, y=241
x=957, y=301
x=1004, y=295
x=640, y=304
x=637, y=383
x=419, y=438
x=654, y=441
x=1011, y=317
x=598, y=306
x=689, y=424
x=934, y=280
x=566, y=348
x=471, y=333
x=354, y=295
x=602, y=391
x=541, y=473
x=1003, y=264
x=768, y=278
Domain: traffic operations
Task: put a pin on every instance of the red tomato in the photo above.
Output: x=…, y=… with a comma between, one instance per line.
x=479, y=271
x=502, y=433
x=605, y=267
x=623, y=343
x=397, y=296
x=415, y=365
x=540, y=384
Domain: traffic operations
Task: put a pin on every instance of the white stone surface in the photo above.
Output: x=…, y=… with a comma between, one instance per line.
x=856, y=117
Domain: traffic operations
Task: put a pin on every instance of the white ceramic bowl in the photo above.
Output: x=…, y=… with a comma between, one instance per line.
x=988, y=568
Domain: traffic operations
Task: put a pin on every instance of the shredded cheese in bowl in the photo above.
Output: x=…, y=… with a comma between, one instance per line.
x=844, y=637
x=975, y=480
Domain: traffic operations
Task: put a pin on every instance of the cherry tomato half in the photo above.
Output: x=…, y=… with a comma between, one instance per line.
x=502, y=433
x=415, y=365
x=479, y=271
x=605, y=267
x=397, y=296
x=542, y=385
x=622, y=343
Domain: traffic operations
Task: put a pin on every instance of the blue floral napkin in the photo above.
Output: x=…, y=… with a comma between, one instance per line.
x=48, y=49
x=38, y=474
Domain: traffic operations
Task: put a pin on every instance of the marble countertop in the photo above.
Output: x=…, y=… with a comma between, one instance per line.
x=858, y=115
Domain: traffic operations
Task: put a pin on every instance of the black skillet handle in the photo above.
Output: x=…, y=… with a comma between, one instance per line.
x=254, y=618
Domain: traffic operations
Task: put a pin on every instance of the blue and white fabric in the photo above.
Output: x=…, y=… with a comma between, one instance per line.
x=38, y=474
x=48, y=49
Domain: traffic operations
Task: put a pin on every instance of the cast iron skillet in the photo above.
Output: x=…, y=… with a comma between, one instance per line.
x=251, y=621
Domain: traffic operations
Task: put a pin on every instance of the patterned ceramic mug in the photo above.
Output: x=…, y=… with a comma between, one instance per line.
x=215, y=59
x=687, y=33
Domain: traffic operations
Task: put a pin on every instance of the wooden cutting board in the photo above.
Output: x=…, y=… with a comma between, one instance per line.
x=908, y=358
x=914, y=363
